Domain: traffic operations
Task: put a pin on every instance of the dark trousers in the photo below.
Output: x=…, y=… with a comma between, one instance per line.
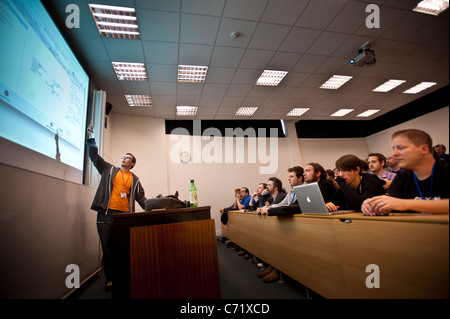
x=104, y=228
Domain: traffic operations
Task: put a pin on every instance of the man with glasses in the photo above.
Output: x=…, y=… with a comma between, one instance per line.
x=116, y=193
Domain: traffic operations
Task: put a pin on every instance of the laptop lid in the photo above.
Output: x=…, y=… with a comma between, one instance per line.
x=310, y=200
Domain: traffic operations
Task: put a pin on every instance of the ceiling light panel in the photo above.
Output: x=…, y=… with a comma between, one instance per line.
x=139, y=100
x=335, y=82
x=271, y=77
x=388, y=85
x=130, y=71
x=192, y=73
x=298, y=111
x=115, y=22
x=246, y=111
x=186, y=110
x=433, y=7
x=342, y=112
x=367, y=113
x=419, y=87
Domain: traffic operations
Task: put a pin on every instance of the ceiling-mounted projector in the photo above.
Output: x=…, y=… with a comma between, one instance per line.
x=366, y=56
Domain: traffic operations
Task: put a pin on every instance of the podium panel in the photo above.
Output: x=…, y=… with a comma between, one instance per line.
x=174, y=261
x=148, y=249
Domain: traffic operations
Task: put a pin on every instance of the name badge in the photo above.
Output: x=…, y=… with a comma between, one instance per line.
x=123, y=194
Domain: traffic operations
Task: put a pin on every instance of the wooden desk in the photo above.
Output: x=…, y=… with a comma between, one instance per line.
x=329, y=254
x=165, y=254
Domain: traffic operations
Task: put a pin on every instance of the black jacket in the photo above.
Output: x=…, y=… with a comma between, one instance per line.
x=108, y=171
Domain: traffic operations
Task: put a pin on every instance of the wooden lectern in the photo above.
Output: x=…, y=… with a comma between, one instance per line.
x=165, y=254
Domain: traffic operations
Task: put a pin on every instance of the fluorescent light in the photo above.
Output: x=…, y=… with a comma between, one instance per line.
x=192, y=73
x=342, y=112
x=246, y=111
x=115, y=22
x=112, y=8
x=367, y=113
x=139, y=100
x=186, y=110
x=419, y=87
x=130, y=71
x=271, y=77
x=298, y=111
x=388, y=85
x=335, y=82
x=433, y=7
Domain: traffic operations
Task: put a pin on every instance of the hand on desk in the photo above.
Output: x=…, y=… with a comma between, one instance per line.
x=380, y=205
x=331, y=207
x=262, y=210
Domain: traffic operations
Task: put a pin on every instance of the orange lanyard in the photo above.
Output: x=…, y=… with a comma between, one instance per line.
x=123, y=181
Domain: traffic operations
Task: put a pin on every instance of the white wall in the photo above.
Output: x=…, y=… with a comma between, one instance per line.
x=327, y=151
x=435, y=123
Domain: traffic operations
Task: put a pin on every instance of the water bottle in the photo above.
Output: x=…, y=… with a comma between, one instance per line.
x=193, y=194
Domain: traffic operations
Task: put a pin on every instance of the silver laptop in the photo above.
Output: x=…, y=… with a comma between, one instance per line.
x=310, y=200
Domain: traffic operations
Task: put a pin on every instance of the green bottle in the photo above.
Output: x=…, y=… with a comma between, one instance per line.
x=193, y=194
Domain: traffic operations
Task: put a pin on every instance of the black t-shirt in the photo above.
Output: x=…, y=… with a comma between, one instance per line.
x=347, y=198
x=404, y=186
x=327, y=189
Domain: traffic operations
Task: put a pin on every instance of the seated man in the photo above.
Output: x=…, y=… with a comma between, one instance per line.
x=242, y=200
x=254, y=201
x=440, y=152
x=423, y=183
x=392, y=164
x=316, y=173
x=237, y=192
x=377, y=163
x=273, y=195
x=354, y=186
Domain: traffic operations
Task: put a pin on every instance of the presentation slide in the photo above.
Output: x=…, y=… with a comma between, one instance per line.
x=43, y=87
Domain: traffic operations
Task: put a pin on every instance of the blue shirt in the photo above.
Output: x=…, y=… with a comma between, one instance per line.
x=246, y=201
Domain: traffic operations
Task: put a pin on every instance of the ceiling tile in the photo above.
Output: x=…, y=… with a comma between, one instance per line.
x=228, y=26
x=158, y=25
x=299, y=40
x=160, y=52
x=283, y=11
x=207, y=7
x=268, y=36
x=249, y=9
x=198, y=29
x=195, y=54
x=226, y=56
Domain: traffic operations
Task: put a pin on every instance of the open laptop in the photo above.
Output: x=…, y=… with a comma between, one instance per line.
x=310, y=200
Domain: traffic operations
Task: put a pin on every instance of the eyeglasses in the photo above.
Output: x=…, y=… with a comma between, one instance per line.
x=126, y=157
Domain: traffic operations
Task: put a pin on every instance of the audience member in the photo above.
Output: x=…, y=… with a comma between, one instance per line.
x=440, y=152
x=377, y=163
x=423, y=183
x=289, y=203
x=315, y=173
x=274, y=192
x=354, y=186
x=242, y=200
x=255, y=199
x=330, y=176
x=295, y=178
x=392, y=164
